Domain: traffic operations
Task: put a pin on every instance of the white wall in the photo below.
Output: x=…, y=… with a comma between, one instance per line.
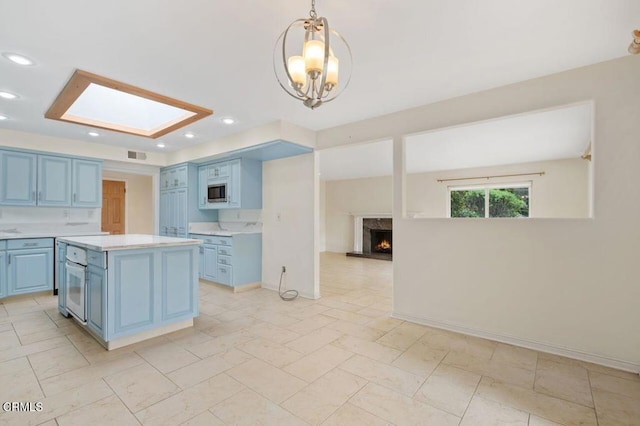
x=290, y=208
x=562, y=192
x=562, y=285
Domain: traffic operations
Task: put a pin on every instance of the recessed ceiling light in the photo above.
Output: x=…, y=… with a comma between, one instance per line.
x=189, y=135
x=228, y=120
x=160, y=145
x=18, y=59
x=94, y=134
x=7, y=95
x=3, y=117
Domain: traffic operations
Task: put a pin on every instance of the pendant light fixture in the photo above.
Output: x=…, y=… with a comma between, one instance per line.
x=315, y=67
x=634, y=47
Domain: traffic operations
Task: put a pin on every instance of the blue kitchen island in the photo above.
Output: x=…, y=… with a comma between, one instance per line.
x=127, y=288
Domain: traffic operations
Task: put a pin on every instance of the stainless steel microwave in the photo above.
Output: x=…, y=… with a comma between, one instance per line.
x=217, y=192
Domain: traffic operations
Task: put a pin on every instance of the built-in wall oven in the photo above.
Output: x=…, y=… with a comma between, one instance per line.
x=76, y=276
x=217, y=192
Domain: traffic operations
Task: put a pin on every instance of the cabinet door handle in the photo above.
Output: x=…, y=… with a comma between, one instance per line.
x=204, y=200
x=9, y=259
x=30, y=245
x=33, y=195
x=74, y=197
x=40, y=196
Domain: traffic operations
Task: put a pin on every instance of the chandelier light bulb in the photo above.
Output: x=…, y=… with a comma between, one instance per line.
x=296, y=65
x=314, y=56
x=634, y=47
x=332, y=72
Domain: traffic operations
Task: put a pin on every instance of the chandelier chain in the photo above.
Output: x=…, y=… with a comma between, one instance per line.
x=312, y=12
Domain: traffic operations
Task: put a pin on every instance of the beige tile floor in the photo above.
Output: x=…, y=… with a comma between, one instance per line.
x=341, y=360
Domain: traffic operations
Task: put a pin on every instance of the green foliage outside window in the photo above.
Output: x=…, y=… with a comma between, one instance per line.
x=505, y=202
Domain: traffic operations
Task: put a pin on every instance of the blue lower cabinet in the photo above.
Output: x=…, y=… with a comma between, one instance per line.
x=96, y=296
x=3, y=274
x=232, y=261
x=210, y=260
x=225, y=274
x=177, y=299
x=60, y=276
x=147, y=288
x=29, y=270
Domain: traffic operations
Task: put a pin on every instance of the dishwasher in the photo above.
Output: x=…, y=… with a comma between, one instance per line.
x=76, y=277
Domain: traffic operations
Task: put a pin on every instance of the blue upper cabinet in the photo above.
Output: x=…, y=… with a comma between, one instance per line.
x=180, y=200
x=243, y=179
x=87, y=183
x=18, y=173
x=203, y=174
x=29, y=179
x=54, y=181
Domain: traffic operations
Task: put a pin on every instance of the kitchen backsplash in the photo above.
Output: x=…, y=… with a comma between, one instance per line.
x=240, y=215
x=231, y=220
x=35, y=219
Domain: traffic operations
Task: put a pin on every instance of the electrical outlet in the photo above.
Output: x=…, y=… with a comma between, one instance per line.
x=284, y=269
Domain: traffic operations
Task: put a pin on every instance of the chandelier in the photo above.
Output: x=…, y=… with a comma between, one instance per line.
x=634, y=47
x=307, y=67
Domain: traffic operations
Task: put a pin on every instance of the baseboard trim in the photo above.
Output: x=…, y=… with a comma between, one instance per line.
x=529, y=344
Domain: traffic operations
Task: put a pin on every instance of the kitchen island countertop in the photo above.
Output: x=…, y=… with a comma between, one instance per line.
x=126, y=241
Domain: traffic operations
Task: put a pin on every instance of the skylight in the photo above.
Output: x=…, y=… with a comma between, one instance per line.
x=96, y=101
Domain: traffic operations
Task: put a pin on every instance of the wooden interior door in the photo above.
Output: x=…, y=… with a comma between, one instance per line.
x=113, y=199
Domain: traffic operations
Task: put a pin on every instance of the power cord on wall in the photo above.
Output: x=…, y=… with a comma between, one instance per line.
x=287, y=295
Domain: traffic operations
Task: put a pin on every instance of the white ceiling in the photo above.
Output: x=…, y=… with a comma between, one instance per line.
x=218, y=54
x=538, y=136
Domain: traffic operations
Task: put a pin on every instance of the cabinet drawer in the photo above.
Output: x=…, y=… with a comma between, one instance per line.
x=224, y=274
x=225, y=251
x=29, y=243
x=206, y=239
x=224, y=260
x=3, y=245
x=97, y=258
x=223, y=241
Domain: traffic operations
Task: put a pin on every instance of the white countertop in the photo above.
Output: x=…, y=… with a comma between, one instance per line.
x=225, y=233
x=127, y=241
x=51, y=234
x=225, y=229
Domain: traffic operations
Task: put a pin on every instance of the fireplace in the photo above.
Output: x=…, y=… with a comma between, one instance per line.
x=380, y=241
x=373, y=238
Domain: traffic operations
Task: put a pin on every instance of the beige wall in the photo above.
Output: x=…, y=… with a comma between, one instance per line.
x=568, y=286
x=562, y=192
x=64, y=146
x=290, y=219
x=139, y=201
x=323, y=216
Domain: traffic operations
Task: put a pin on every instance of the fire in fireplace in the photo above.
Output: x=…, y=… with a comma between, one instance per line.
x=381, y=241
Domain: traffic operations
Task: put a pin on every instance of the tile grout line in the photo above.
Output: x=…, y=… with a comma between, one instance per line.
x=595, y=409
